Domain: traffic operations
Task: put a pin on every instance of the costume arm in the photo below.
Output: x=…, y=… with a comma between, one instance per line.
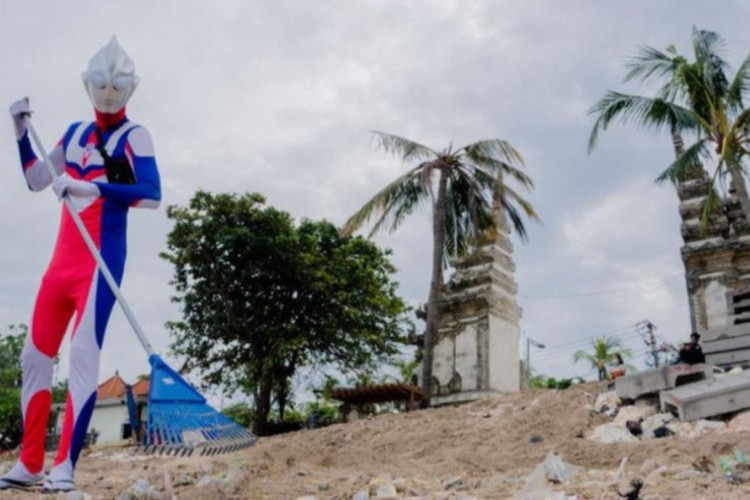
x=37, y=176
x=146, y=192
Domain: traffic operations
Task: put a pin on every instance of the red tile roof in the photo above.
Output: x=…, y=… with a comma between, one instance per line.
x=141, y=387
x=114, y=387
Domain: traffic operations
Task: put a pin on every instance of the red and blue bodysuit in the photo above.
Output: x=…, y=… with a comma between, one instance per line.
x=72, y=284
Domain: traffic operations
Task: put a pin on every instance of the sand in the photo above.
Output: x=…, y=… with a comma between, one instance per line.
x=484, y=449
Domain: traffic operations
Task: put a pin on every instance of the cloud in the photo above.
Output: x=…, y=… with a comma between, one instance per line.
x=280, y=98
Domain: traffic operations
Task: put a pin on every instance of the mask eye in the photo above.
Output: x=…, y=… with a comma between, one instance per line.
x=122, y=82
x=98, y=80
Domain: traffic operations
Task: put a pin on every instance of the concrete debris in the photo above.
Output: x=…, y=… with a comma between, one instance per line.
x=557, y=471
x=610, y=433
x=656, y=421
x=635, y=413
x=608, y=399
x=634, y=426
x=739, y=423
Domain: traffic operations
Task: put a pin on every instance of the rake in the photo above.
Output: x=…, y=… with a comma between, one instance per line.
x=179, y=420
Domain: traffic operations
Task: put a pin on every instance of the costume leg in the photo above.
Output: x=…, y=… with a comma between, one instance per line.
x=93, y=310
x=52, y=312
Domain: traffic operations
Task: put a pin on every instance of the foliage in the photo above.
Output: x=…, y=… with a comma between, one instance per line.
x=406, y=369
x=262, y=297
x=698, y=97
x=242, y=413
x=605, y=351
x=11, y=346
x=544, y=382
x=466, y=189
x=60, y=392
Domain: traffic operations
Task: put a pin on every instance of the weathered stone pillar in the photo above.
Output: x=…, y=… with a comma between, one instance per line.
x=477, y=345
x=716, y=258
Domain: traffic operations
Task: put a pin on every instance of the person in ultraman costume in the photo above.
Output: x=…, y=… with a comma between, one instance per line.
x=105, y=167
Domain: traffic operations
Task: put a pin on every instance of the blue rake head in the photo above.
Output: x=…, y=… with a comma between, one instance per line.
x=180, y=421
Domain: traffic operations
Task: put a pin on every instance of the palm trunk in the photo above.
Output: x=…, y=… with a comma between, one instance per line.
x=438, y=235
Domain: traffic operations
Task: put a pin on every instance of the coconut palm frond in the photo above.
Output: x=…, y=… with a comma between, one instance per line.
x=603, y=350
x=404, y=189
x=732, y=155
x=493, y=148
x=645, y=112
x=739, y=86
x=709, y=65
x=396, y=210
x=470, y=210
x=648, y=64
x=483, y=180
x=515, y=219
x=456, y=240
x=501, y=168
x=711, y=208
x=740, y=129
x=708, y=47
x=399, y=209
x=519, y=200
x=402, y=148
x=688, y=160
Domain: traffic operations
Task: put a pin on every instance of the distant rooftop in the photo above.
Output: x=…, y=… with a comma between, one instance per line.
x=114, y=387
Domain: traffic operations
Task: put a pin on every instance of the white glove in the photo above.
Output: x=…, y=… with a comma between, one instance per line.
x=66, y=185
x=19, y=110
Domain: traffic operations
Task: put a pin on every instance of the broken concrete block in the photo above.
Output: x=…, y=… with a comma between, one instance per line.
x=610, y=433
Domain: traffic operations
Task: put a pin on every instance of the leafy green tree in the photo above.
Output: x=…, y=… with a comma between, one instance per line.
x=11, y=346
x=60, y=392
x=697, y=97
x=544, y=382
x=261, y=297
x=462, y=186
x=406, y=369
x=604, y=351
x=241, y=413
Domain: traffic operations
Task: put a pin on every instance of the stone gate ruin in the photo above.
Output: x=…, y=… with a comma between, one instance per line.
x=476, y=351
x=717, y=258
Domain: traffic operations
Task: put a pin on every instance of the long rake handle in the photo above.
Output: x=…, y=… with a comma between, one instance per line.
x=92, y=246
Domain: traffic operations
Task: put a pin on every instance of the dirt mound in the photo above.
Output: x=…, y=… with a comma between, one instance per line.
x=529, y=445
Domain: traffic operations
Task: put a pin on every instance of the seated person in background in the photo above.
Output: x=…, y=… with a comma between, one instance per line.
x=691, y=352
x=617, y=370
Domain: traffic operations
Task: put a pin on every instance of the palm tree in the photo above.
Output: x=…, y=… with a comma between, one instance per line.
x=605, y=350
x=696, y=97
x=462, y=186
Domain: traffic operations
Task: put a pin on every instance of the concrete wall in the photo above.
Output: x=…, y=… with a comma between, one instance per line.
x=108, y=421
x=504, y=338
x=713, y=297
x=456, y=358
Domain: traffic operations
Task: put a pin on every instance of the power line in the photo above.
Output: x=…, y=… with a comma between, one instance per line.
x=578, y=342
x=603, y=292
x=565, y=351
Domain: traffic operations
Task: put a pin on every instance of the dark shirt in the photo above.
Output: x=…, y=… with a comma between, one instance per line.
x=692, y=353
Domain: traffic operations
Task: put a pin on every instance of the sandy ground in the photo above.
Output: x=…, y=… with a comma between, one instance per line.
x=484, y=449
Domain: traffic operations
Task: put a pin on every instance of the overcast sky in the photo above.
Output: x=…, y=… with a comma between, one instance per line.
x=280, y=98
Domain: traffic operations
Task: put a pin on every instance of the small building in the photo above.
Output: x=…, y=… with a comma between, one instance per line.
x=110, y=421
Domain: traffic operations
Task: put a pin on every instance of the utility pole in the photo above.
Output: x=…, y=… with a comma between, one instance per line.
x=650, y=340
x=530, y=342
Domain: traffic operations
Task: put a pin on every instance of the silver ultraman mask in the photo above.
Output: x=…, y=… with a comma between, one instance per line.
x=110, y=78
